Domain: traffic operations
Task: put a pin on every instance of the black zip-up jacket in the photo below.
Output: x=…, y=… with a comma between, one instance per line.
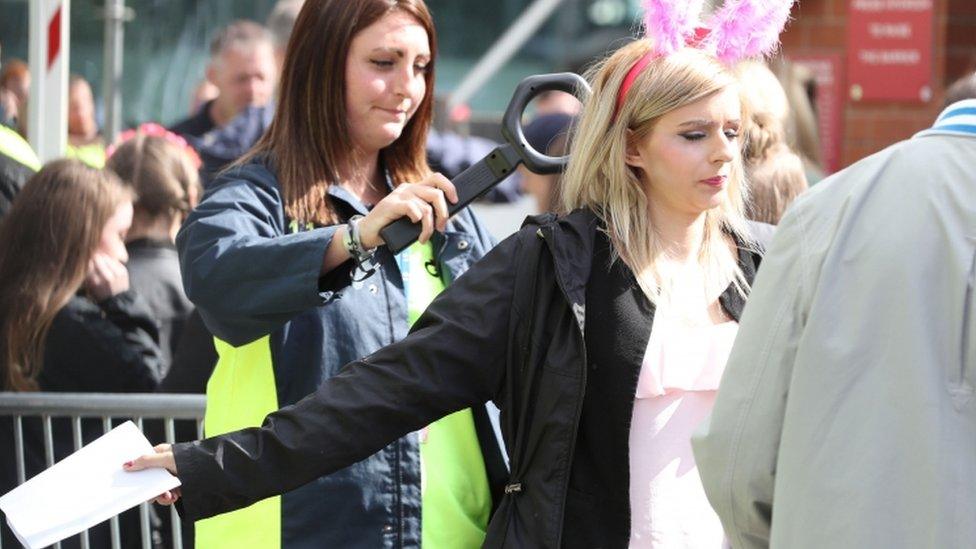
x=510, y=330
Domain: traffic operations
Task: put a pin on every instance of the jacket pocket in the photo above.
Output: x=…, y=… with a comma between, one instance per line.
x=961, y=374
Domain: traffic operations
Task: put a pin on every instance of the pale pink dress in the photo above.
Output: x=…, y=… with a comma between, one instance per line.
x=675, y=392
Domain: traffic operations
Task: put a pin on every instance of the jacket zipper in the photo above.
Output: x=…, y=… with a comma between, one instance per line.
x=579, y=402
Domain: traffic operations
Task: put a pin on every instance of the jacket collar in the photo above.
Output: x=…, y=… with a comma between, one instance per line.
x=571, y=239
x=958, y=118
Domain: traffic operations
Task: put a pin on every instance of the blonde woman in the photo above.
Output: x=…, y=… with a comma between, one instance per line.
x=601, y=334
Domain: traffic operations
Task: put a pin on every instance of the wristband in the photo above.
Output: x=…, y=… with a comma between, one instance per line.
x=363, y=258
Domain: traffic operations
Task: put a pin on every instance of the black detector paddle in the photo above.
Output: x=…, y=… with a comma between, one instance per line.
x=478, y=179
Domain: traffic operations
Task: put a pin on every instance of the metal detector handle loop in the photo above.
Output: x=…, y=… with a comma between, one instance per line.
x=478, y=179
x=527, y=90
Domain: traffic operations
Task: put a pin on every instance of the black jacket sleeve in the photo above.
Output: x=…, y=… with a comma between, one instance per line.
x=453, y=359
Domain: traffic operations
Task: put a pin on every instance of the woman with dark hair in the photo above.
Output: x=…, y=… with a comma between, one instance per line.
x=68, y=322
x=284, y=261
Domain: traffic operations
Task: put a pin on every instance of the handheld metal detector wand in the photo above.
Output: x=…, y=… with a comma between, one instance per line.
x=478, y=179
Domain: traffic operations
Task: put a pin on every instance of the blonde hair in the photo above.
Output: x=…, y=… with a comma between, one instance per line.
x=802, y=131
x=598, y=178
x=775, y=179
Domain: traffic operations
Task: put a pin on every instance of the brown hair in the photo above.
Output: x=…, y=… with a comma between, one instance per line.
x=309, y=136
x=775, y=180
x=49, y=236
x=160, y=173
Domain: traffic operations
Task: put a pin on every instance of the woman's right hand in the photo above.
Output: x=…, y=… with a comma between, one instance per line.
x=424, y=202
x=106, y=277
x=162, y=459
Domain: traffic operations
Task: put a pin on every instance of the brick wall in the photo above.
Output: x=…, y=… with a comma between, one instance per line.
x=819, y=27
x=960, y=39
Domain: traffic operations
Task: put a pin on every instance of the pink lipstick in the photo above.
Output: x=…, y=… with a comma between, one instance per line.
x=716, y=181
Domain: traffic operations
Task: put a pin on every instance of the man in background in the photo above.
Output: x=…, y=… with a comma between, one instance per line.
x=242, y=67
x=84, y=141
x=15, y=83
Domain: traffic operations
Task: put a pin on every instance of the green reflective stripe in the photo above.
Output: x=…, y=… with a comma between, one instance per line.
x=240, y=393
x=422, y=287
x=456, y=499
x=455, y=495
x=14, y=146
x=93, y=155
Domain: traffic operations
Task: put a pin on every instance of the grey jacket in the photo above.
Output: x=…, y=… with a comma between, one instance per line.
x=846, y=417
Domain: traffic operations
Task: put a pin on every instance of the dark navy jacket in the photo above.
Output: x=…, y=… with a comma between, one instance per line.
x=251, y=276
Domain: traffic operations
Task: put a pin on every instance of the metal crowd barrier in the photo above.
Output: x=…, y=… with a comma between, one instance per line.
x=106, y=406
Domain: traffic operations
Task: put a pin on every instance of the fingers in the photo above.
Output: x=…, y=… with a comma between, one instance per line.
x=444, y=184
x=425, y=203
x=107, y=276
x=94, y=279
x=436, y=198
x=169, y=497
x=162, y=459
x=151, y=461
x=421, y=212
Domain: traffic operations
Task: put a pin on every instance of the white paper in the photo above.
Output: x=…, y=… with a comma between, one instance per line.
x=84, y=489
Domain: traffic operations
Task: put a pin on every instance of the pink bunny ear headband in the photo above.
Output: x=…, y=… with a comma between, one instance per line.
x=738, y=30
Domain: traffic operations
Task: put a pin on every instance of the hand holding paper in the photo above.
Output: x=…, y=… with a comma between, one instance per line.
x=162, y=459
x=84, y=489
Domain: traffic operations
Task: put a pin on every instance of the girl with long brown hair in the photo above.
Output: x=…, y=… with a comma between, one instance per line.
x=61, y=265
x=68, y=321
x=284, y=261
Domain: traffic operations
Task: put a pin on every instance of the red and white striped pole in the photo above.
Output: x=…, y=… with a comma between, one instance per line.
x=47, y=109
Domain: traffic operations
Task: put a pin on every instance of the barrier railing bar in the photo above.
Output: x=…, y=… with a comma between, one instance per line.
x=76, y=435
x=103, y=404
x=19, y=448
x=114, y=522
x=174, y=517
x=143, y=509
x=49, y=449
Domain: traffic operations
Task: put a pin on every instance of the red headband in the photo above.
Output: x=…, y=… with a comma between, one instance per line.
x=701, y=33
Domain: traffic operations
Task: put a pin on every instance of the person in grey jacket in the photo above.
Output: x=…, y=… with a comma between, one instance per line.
x=847, y=414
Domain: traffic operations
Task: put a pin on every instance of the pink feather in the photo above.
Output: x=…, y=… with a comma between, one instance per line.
x=748, y=28
x=669, y=23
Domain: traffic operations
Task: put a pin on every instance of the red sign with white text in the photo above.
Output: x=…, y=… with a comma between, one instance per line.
x=889, y=50
x=828, y=72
